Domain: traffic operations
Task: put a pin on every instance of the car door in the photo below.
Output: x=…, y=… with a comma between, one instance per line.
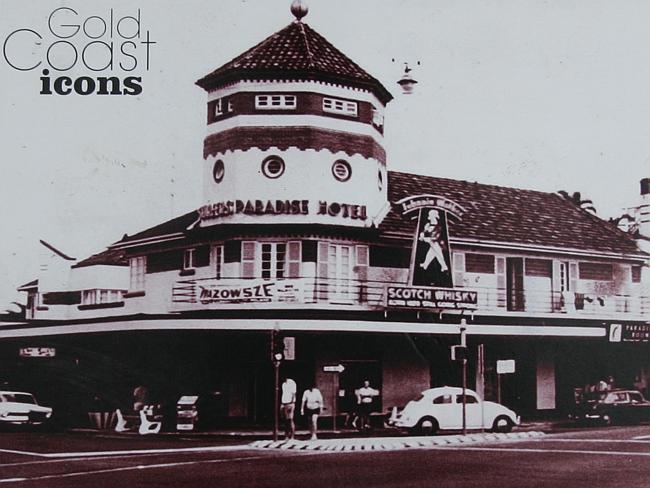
x=639, y=408
x=473, y=411
x=445, y=411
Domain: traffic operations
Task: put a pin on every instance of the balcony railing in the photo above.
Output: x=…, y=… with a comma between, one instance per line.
x=200, y=294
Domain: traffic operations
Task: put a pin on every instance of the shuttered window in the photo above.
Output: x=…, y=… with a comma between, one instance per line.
x=542, y=268
x=479, y=263
x=595, y=271
x=248, y=259
x=294, y=259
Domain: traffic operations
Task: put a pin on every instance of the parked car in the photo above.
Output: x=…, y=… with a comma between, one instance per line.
x=441, y=409
x=20, y=408
x=612, y=407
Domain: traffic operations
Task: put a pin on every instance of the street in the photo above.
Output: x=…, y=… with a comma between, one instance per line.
x=584, y=457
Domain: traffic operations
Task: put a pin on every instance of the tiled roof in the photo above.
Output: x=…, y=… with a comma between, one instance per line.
x=111, y=257
x=173, y=226
x=509, y=215
x=297, y=51
x=493, y=213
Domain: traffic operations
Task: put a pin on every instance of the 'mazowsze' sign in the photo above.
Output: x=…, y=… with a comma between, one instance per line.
x=212, y=291
x=435, y=298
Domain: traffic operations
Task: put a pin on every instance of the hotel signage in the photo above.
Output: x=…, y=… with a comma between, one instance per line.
x=282, y=207
x=629, y=333
x=430, y=298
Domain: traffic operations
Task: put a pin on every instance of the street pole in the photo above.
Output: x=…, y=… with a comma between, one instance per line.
x=463, y=343
x=334, y=402
x=276, y=403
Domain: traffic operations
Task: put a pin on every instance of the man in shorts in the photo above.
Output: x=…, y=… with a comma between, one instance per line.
x=288, y=401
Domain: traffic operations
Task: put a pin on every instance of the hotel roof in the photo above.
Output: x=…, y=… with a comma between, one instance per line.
x=494, y=214
x=296, y=52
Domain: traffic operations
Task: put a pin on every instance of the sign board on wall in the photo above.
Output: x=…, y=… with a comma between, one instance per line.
x=430, y=298
x=37, y=352
x=506, y=366
x=629, y=333
x=208, y=292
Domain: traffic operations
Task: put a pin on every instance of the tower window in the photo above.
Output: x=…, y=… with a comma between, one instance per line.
x=380, y=180
x=273, y=167
x=275, y=102
x=341, y=170
x=221, y=106
x=218, y=171
x=342, y=107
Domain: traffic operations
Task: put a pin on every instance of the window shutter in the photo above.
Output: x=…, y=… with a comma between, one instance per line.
x=458, y=266
x=501, y=281
x=573, y=276
x=321, y=284
x=248, y=259
x=362, y=271
x=294, y=258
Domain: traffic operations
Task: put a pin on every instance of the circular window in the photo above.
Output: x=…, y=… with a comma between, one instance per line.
x=341, y=170
x=380, y=180
x=218, y=171
x=273, y=167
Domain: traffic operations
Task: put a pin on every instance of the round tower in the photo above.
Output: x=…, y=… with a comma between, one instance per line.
x=295, y=135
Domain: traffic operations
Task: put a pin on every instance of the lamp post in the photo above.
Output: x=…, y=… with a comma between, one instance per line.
x=277, y=359
x=463, y=343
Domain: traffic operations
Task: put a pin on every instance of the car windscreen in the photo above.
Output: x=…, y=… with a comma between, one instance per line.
x=19, y=398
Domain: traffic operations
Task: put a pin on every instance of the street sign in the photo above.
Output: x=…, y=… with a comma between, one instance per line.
x=37, y=352
x=506, y=366
x=339, y=368
x=289, y=352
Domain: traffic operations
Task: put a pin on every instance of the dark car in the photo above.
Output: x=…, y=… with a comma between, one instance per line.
x=613, y=407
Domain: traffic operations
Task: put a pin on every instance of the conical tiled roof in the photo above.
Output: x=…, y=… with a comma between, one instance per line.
x=295, y=52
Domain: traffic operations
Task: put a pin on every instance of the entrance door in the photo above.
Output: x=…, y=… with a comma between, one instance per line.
x=339, y=272
x=515, y=284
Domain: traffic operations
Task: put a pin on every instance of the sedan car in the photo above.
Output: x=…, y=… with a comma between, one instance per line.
x=615, y=406
x=20, y=408
x=442, y=409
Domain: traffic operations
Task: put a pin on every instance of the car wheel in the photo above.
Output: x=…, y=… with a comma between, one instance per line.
x=427, y=426
x=502, y=424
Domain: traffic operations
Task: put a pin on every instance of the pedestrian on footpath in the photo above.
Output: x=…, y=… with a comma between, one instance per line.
x=312, y=404
x=365, y=396
x=288, y=401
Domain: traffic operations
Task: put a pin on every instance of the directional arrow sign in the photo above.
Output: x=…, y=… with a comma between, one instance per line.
x=334, y=369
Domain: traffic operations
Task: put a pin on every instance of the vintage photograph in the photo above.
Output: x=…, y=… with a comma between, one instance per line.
x=267, y=243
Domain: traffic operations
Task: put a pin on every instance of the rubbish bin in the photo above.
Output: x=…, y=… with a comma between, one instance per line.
x=187, y=414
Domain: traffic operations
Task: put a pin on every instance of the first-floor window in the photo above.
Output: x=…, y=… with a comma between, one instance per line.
x=137, y=268
x=217, y=260
x=271, y=260
x=189, y=258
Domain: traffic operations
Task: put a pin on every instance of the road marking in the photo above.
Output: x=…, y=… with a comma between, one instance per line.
x=539, y=450
x=24, y=453
x=131, y=452
x=634, y=440
x=136, y=468
x=639, y=437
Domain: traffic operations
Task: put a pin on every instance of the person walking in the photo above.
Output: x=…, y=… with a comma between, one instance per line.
x=312, y=404
x=365, y=396
x=288, y=401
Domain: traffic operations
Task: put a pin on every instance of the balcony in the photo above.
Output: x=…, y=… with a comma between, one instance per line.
x=349, y=294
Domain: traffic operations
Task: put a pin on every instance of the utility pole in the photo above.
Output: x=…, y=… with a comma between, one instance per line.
x=463, y=343
x=276, y=357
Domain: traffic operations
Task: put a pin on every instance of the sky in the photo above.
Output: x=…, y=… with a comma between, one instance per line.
x=547, y=95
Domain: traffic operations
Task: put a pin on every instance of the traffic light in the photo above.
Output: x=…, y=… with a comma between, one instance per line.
x=458, y=353
x=277, y=347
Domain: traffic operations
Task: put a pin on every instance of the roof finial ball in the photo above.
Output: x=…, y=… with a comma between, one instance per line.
x=299, y=9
